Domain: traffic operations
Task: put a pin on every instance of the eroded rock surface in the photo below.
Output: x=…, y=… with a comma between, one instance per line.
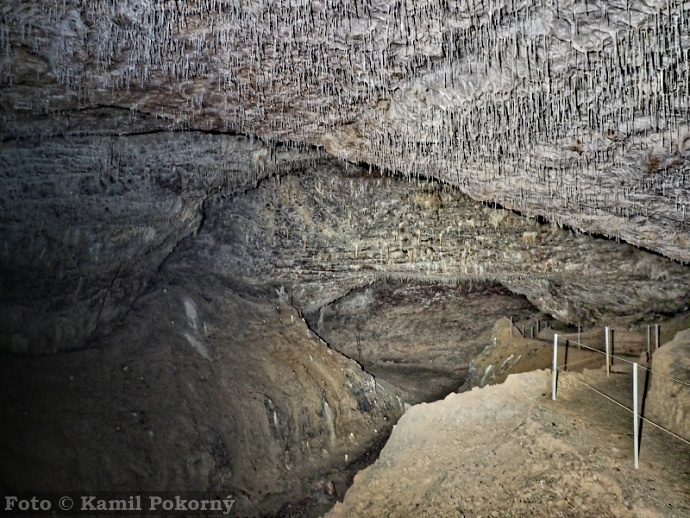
x=199, y=388
x=668, y=400
x=335, y=227
x=86, y=222
x=421, y=337
x=574, y=111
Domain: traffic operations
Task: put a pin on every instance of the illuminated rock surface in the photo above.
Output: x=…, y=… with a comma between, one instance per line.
x=158, y=152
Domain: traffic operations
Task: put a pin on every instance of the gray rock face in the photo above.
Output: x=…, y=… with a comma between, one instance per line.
x=328, y=230
x=198, y=388
x=422, y=337
x=86, y=221
x=575, y=111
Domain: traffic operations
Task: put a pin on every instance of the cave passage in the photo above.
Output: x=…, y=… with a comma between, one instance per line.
x=260, y=331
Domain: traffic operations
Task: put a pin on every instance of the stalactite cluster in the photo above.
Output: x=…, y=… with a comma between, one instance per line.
x=576, y=110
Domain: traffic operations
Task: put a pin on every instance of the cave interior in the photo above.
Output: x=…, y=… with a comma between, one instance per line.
x=240, y=239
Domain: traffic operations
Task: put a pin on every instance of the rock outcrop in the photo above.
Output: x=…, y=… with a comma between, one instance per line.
x=335, y=227
x=202, y=387
x=86, y=221
x=422, y=337
x=668, y=402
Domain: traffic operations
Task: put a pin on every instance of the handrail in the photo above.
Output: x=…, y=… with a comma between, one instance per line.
x=636, y=415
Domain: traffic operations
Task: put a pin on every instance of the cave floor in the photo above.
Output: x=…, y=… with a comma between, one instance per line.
x=509, y=450
x=422, y=384
x=602, y=430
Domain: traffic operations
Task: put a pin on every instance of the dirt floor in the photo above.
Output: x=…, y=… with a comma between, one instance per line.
x=509, y=450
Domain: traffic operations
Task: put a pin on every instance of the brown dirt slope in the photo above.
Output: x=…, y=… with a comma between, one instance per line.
x=508, y=450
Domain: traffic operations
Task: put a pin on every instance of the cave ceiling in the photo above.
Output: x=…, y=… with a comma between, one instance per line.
x=574, y=111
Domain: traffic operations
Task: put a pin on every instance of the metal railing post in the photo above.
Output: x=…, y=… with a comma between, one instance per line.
x=649, y=341
x=657, y=334
x=636, y=420
x=608, y=350
x=555, y=367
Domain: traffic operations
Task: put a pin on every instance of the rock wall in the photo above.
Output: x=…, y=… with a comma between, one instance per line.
x=507, y=352
x=421, y=337
x=334, y=227
x=669, y=395
x=200, y=387
x=86, y=221
x=575, y=112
